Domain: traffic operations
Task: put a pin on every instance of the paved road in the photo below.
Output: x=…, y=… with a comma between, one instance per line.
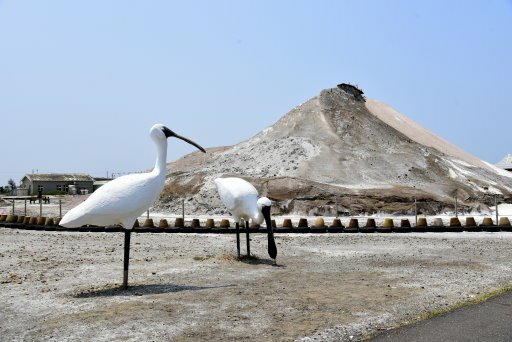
x=488, y=321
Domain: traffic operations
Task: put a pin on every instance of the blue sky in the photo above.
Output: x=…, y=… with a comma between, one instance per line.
x=81, y=83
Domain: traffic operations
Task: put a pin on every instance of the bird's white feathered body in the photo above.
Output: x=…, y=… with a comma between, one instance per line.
x=123, y=199
x=120, y=201
x=241, y=199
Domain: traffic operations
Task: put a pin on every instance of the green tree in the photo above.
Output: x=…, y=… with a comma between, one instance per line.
x=12, y=185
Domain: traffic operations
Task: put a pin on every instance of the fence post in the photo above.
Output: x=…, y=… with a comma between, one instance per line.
x=13, y=207
x=40, y=207
x=456, y=215
x=25, y=207
x=183, y=209
x=496, y=206
x=416, y=211
x=60, y=207
x=336, y=207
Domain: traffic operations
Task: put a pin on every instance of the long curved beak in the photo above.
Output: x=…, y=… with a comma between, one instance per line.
x=272, y=248
x=168, y=134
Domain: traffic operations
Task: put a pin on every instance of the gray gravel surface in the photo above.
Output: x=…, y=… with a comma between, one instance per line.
x=189, y=287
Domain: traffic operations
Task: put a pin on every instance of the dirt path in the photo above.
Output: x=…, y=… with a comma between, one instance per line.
x=63, y=286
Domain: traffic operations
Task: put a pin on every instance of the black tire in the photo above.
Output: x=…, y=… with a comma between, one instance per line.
x=171, y=230
x=492, y=229
x=472, y=229
x=203, y=230
x=187, y=230
x=401, y=229
x=283, y=230
x=224, y=230
x=113, y=229
x=383, y=230
x=350, y=230
x=437, y=229
x=300, y=230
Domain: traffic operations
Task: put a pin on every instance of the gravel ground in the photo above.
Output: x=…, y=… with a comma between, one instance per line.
x=60, y=286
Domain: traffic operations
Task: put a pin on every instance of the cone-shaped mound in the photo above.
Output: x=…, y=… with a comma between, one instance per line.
x=337, y=147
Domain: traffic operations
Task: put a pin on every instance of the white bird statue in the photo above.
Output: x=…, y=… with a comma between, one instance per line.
x=124, y=199
x=241, y=199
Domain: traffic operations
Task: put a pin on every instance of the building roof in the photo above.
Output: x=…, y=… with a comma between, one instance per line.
x=506, y=162
x=59, y=177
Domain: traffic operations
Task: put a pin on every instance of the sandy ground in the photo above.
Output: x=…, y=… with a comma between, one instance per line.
x=60, y=286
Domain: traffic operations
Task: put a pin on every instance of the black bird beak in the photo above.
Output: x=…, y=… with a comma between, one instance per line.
x=168, y=133
x=272, y=249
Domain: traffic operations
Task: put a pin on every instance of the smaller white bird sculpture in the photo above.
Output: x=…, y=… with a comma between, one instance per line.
x=241, y=199
x=124, y=199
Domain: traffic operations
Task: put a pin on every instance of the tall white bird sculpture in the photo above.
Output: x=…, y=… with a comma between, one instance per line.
x=124, y=199
x=241, y=199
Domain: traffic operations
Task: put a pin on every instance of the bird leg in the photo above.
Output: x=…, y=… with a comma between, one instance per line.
x=237, y=225
x=248, y=239
x=127, y=234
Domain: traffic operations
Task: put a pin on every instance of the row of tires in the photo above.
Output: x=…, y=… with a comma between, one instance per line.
x=231, y=230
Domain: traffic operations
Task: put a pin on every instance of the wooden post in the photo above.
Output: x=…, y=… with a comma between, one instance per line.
x=13, y=207
x=60, y=207
x=127, y=235
x=40, y=207
x=25, y=207
x=147, y=214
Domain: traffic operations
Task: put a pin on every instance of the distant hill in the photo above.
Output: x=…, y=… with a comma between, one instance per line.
x=338, y=146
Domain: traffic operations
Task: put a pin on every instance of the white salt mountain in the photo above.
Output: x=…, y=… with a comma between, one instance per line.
x=339, y=147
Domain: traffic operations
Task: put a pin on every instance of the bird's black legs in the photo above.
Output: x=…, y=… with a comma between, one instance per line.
x=127, y=234
x=237, y=225
x=247, y=236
